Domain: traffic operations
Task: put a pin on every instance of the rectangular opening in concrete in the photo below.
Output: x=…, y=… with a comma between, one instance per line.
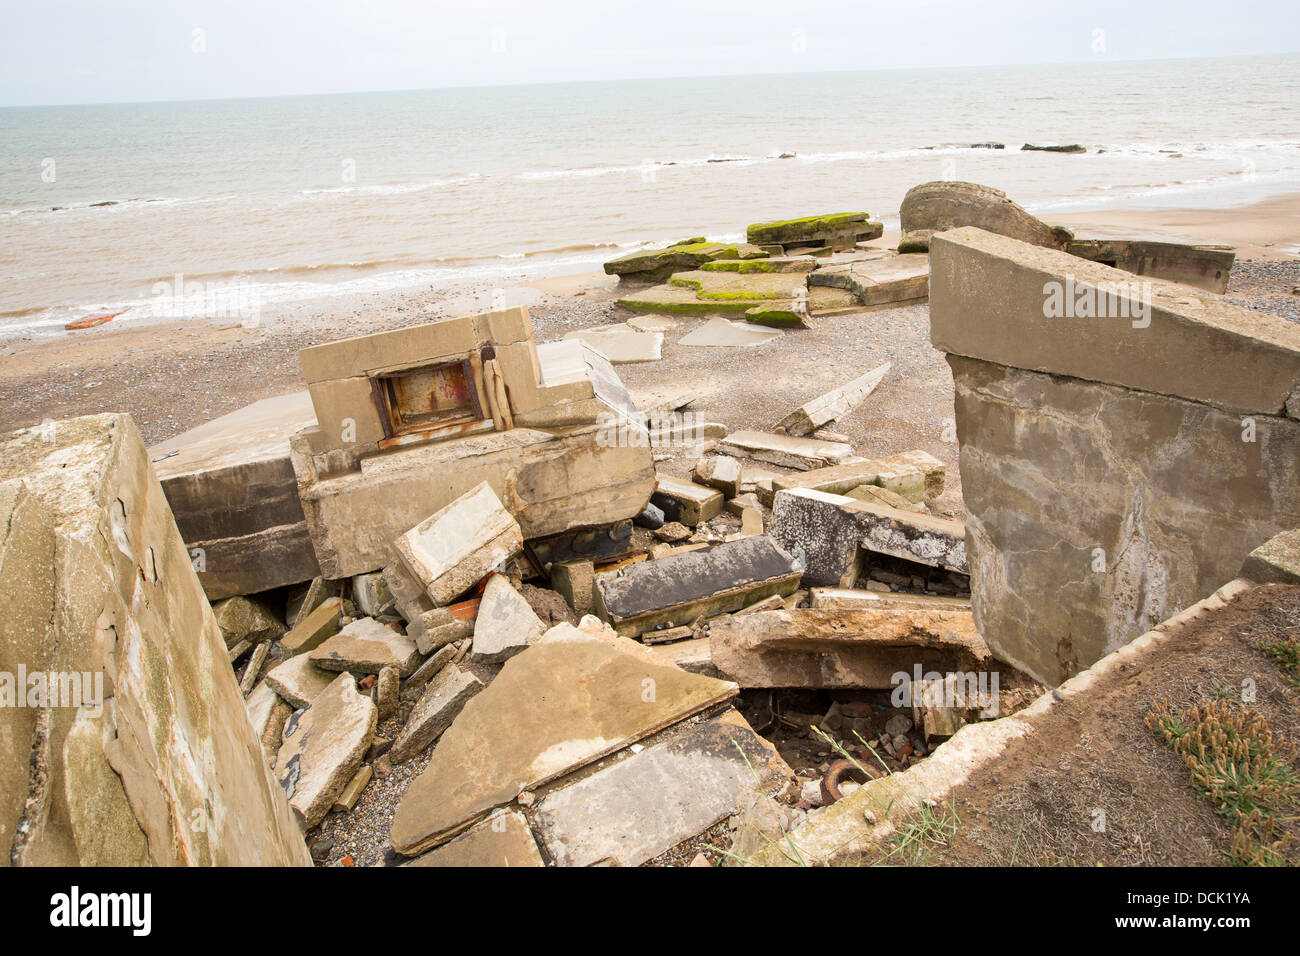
x=428, y=402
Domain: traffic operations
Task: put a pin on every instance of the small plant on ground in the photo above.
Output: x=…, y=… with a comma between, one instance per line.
x=1237, y=764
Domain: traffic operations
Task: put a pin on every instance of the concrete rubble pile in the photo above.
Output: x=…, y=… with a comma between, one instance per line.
x=469, y=564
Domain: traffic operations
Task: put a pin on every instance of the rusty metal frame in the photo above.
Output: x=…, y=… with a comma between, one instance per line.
x=397, y=434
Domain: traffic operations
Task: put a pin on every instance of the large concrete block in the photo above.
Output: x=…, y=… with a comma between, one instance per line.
x=1095, y=512
x=161, y=741
x=996, y=299
x=551, y=482
x=232, y=489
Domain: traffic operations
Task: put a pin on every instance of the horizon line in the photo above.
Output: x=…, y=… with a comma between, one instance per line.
x=1098, y=61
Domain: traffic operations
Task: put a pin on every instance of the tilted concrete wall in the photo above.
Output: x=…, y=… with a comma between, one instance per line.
x=1116, y=469
x=163, y=768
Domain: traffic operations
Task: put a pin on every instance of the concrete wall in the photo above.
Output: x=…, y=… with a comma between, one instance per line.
x=95, y=580
x=1115, y=469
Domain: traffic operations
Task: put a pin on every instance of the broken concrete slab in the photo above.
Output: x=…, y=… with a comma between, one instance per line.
x=363, y=647
x=682, y=588
x=875, y=495
x=769, y=264
x=622, y=344
x=685, y=501
x=458, y=545
x=915, y=475
x=503, y=839
x=267, y=712
x=787, y=451
x=231, y=487
x=874, y=283
x=505, y=625
x=443, y=625
x=431, y=666
x=691, y=656
x=840, y=230
x=570, y=699
x=830, y=531
x=834, y=404
x=247, y=619
x=298, y=680
x=305, y=599
x=646, y=803
x=719, y=333
x=322, y=749
x=1202, y=265
x=600, y=545
x=938, y=206
x=655, y=265
x=97, y=584
x=316, y=627
x=1277, y=560
x=372, y=594
x=442, y=700
x=832, y=648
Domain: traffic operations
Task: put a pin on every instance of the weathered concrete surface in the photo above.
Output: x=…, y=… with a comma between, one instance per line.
x=1094, y=512
x=503, y=839
x=622, y=345
x=942, y=205
x=876, y=282
x=829, y=531
x=457, y=546
x=550, y=482
x=246, y=619
x=568, y=700
x=320, y=624
x=839, y=230
x=505, y=625
x=232, y=490
x=323, y=747
x=95, y=580
x=849, y=598
x=990, y=298
x=646, y=803
x=681, y=588
x=686, y=501
x=832, y=648
x=444, y=698
x=655, y=265
x=365, y=646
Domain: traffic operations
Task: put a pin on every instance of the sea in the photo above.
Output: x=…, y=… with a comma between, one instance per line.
x=315, y=197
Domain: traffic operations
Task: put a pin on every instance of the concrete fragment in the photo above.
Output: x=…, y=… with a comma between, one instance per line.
x=372, y=594
x=430, y=668
x=307, y=600
x=352, y=792
x=834, y=404
x=721, y=472
x=503, y=839
x=298, y=680
x=849, y=598
x=682, y=588
x=363, y=647
x=1277, y=560
x=945, y=204
x=443, y=698
x=456, y=547
x=231, y=487
x=648, y=802
x=830, y=531
x=785, y=450
x=323, y=747
x=387, y=688
x=567, y=701
x=622, y=345
x=505, y=624
x=320, y=624
x=875, y=495
x=254, y=668
x=575, y=581
x=267, y=713
x=915, y=475
x=864, y=648
x=246, y=619
x=719, y=333
x=685, y=501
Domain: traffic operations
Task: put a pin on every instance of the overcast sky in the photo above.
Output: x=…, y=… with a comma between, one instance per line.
x=92, y=51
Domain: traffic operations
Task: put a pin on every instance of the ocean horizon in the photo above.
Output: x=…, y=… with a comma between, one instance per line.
x=310, y=197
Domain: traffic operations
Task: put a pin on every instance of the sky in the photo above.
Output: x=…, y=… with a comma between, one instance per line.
x=98, y=51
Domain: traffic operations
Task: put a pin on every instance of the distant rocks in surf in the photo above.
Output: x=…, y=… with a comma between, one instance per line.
x=1071, y=148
